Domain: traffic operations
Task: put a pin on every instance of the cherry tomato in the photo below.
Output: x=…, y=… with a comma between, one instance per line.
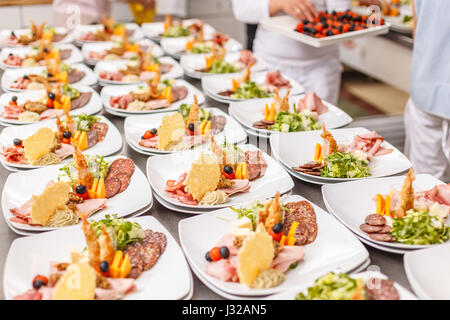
x=66, y=140
x=215, y=254
x=275, y=236
x=230, y=176
x=39, y=281
x=50, y=103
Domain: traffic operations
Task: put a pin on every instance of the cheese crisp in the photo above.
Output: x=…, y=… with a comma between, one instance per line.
x=203, y=176
x=78, y=283
x=255, y=255
x=171, y=131
x=45, y=205
x=39, y=144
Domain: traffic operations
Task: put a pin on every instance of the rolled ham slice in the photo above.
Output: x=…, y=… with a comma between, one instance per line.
x=149, y=143
x=65, y=151
x=222, y=270
x=288, y=256
x=238, y=186
x=51, y=113
x=119, y=287
x=90, y=206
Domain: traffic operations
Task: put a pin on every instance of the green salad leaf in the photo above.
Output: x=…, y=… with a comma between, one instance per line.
x=250, y=90
x=294, y=121
x=176, y=31
x=84, y=121
x=420, y=228
x=250, y=211
x=221, y=66
x=332, y=286
x=201, y=47
x=65, y=67
x=70, y=91
x=345, y=165
x=97, y=165
x=185, y=108
x=122, y=232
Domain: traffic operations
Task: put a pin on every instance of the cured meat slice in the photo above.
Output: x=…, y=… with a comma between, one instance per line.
x=302, y=212
x=367, y=228
x=65, y=54
x=75, y=76
x=239, y=185
x=179, y=93
x=256, y=164
x=383, y=237
x=165, y=67
x=157, y=104
x=217, y=124
x=118, y=288
x=375, y=220
x=91, y=206
x=287, y=256
x=120, y=170
x=58, y=37
x=51, y=113
x=112, y=186
x=381, y=289
x=222, y=270
x=149, y=143
x=66, y=150
x=82, y=100
x=101, y=128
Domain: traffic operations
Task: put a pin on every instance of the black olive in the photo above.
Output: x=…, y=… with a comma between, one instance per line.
x=67, y=134
x=13, y=34
x=17, y=142
x=38, y=284
x=325, y=25
x=329, y=33
x=208, y=257
x=143, y=137
x=305, y=21
x=153, y=131
x=104, y=266
x=51, y=96
x=277, y=228
x=25, y=77
x=351, y=29
x=312, y=30
x=340, y=29
x=81, y=189
x=228, y=169
x=14, y=98
x=224, y=252
x=333, y=12
x=49, y=75
x=191, y=127
x=45, y=50
x=305, y=29
x=10, y=54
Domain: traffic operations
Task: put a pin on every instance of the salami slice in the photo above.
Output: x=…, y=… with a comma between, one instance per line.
x=82, y=100
x=302, y=212
x=381, y=289
x=75, y=76
x=383, y=237
x=122, y=165
x=65, y=54
x=124, y=179
x=112, y=186
x=367, y=228
x=375, y=220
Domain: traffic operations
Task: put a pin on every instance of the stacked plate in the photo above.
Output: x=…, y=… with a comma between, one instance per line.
x=169, y=279
x=75, y=55
x=114, y=91
x=100, y=47
x=297, y=148
x=21, y=186
x=176, y=47
x=161, y=168
x=335, y=249
x=250, y=111
x=114, y=66
x=216, y=83
x=351, y=202
x=135, y=127
x=11, y=75
x=192, y=63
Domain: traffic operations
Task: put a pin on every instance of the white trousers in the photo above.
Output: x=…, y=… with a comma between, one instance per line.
x=427, y=142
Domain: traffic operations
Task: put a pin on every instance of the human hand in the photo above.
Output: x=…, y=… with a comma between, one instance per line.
x=299, y=9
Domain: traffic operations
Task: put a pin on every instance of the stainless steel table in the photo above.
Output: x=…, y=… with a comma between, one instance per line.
x=390, y=264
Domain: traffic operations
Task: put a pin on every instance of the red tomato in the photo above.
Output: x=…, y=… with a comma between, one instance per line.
x=300, y=27
x=66, y=140
x=230, y=176
x=50, y=103
x=215, y=254
x=148, y=134
x=85, y=195
x=12, y=103
x=345, y=28
x=319, y=27
x=42, y=278
x=275, y=236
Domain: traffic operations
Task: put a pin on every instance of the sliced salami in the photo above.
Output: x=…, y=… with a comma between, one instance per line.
x=112, y=186
x=367, y=228
x=375, y=220
x=122, y=165
x=302, y=212
x=381, y=289
x=82, y=100
x=75, y=76
x=383, y=237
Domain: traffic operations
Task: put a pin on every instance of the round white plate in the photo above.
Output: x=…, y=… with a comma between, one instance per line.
x=5, y=33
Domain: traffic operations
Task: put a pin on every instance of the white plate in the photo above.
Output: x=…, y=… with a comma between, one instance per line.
x=175, y=47
x=93, y=106
x=21, y=186
x=286, y=25
x=302, y=286
x=334, y=247
x=305, y=143
x=165, y=167
x=427, y=272
x=173, y=207
x=11, y=75
x=193, y=62
x=113, y=91
x=111, y=144
x=351, y=202
x=249, y=112
x=75, y=57
x=135, y=127
x=80, y=30
x=153, y=30
x=5, y=33
x=116, y=65
x=103, y=46
x=382, y=248
x=216, y=83
x=168, y=279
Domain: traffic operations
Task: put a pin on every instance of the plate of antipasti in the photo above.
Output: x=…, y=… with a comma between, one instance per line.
x=19, y=108
x=287, y=114
x=216, y=176
x=156, y=95
x=110, y=258
x=395, y=214
x=193, y=126
x=53, y=142
x=57, y=196
x=267, y=246
x=249, y=85
x=337, y=155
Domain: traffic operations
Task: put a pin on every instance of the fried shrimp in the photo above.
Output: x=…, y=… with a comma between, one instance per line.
x=217, y=151
x=106, y=246
x=272, y=212
x=84, y=174
x=406, y=195
x=193, y=113
x=93, y=246
x=329, y=141
x=246, y=76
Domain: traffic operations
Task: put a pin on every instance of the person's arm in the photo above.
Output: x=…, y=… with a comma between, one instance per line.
x=414, y=17
x=253, y=11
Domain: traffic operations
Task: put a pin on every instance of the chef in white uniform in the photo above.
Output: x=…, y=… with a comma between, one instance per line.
x=317, y=69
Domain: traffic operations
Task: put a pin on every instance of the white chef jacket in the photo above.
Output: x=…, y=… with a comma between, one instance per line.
x=317, y=69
